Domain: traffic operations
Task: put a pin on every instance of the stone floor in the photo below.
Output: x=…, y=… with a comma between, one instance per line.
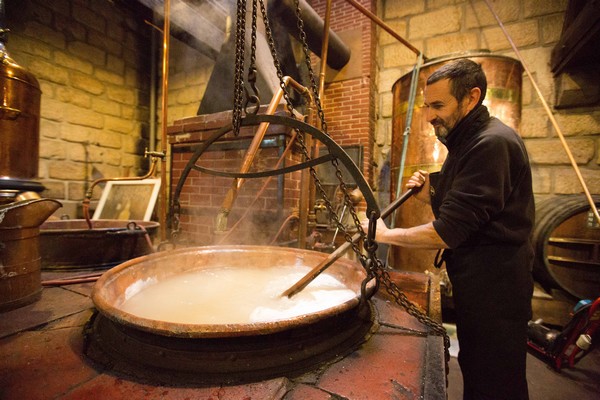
x=42, y=357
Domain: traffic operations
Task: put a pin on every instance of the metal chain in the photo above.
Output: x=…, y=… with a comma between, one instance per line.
x=252, y=99
x=372, y=264
x=240, y=49
x=377, y=268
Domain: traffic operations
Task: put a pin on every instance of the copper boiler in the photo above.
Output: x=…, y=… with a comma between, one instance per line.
x=20, y=96
x=424, y=151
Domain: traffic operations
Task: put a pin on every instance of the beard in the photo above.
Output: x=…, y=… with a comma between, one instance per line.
x=441, y=130
x=443, y=127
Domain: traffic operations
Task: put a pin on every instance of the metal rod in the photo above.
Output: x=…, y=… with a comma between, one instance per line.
x=550, y=115
x=324, y=49
x=385, y=27
x=162, y=217
x=414, y=83
x=333, y=257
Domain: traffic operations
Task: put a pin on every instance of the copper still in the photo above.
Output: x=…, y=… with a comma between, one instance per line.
x=424, y=151
x=20, y=96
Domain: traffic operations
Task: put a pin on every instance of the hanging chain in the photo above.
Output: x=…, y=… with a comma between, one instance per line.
x=252, y=99
x=240, y=49
x=373, y=265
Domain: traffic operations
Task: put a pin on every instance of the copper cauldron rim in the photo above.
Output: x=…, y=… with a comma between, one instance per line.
x=101, y=292
x=56, y=225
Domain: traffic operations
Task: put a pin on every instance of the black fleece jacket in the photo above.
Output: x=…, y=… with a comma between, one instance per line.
x=483, y=203
x=483, y=193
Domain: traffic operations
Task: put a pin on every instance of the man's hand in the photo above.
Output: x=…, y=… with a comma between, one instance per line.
x=381, y=229
x=420, y=181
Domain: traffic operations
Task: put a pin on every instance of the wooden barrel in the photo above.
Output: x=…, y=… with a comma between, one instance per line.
x=567, y=246
x=424, y=151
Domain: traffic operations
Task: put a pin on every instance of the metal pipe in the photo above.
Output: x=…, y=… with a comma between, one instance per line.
x=287, y=150
x=324, y=49
x=550, y=115
x=165, y=87
x=385, y=27
x=153, y=75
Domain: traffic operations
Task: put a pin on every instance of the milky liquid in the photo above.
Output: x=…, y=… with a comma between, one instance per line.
x=234, y=296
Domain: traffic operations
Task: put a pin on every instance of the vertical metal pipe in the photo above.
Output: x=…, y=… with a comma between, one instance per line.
x=324, y=50
x=165, y=86
x=308, y=191
x=153, y=75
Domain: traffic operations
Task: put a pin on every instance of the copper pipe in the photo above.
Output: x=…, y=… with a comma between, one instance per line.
x=73, y=279
x=385, y=27
x=283, y=225
x=221, y=223
x=550, y=115
x=324, y=49
x=162, y=215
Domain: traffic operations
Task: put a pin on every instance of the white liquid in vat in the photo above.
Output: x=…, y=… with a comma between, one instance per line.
x=236, y=296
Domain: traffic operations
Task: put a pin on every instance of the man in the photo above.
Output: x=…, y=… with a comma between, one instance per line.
x=483, y=205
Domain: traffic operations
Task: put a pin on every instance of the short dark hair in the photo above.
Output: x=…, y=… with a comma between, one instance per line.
x=464, y=75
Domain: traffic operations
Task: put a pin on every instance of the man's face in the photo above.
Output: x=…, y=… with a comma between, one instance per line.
x=443, y=111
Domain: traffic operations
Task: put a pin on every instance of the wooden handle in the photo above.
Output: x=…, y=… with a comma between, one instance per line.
x=333, y=257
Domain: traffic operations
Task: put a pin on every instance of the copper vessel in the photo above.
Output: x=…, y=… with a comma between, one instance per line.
x=71, y=244
x=424, y=151
x=20, y=260
x=20, y=98
x=223, y=352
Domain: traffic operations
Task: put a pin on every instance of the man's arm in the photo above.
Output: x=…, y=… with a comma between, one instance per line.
x=422, y=236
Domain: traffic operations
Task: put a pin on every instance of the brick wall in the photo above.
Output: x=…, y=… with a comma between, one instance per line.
x=440, y=28
x=261, y=205
x=348, y=103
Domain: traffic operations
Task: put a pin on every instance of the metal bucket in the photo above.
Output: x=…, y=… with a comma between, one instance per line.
x=424, y=151
x=222, y=352
x=71, y=244
x=20, y=272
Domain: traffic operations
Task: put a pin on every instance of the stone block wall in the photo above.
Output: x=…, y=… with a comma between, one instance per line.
x=91, y=59
x=439, y=28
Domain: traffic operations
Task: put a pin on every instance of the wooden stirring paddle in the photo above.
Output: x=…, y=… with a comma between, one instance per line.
x=316, y=271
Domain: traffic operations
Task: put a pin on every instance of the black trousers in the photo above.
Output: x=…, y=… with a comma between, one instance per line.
x=492, y=357
x=492, y=288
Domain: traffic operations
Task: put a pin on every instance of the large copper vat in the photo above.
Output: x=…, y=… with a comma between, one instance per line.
x=222, y=352
x=19, y=127
x=424, y=151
